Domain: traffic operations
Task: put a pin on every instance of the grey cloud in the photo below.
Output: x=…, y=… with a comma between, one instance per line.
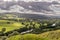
x=35, y=6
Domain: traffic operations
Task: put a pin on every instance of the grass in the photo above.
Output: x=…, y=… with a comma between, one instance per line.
x=51, y=35
x=9, y=27
x=27, y=37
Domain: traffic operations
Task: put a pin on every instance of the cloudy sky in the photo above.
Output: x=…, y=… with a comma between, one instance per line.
x=45, y=7
x=31, y=0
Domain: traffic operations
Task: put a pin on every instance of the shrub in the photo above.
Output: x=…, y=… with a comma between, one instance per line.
x=3, y=30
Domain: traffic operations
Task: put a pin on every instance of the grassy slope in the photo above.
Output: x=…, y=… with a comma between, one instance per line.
x=51, y=35
x=26, y=37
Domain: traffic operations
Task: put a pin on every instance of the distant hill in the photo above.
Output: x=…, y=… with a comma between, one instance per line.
x=32, y=16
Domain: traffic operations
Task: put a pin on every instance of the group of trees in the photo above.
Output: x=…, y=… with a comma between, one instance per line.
x=41, y=26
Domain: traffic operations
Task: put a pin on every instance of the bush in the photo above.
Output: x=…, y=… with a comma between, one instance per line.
x=3, y=30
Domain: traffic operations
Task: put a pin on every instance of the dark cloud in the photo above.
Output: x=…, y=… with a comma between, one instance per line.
x=35, y=6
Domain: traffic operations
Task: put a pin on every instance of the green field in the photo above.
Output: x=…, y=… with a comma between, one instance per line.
x=11, y=26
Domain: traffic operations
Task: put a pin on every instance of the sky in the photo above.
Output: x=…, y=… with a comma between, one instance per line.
x=30, y=8
x=32, y=0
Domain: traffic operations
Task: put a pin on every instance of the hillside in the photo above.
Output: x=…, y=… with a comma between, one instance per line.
x=51, y=35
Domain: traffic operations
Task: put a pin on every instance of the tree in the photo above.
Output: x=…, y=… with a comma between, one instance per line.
x=3, y=30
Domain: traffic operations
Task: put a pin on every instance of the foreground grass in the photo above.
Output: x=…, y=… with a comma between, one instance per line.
x=51, y=35
x=26, y=37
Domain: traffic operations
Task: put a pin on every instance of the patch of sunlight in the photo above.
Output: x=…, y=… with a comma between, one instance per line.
x=17, y=24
